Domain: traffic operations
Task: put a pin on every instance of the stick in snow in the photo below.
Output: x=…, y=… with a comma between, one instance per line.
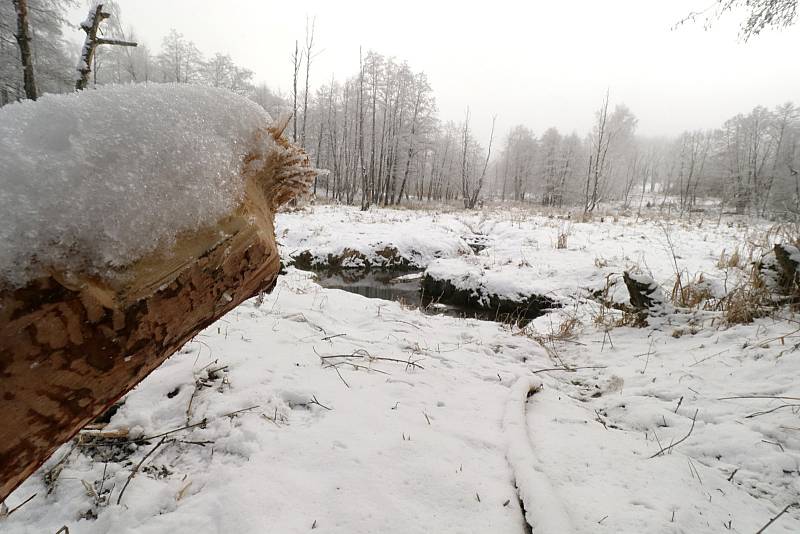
x=671, y=445
x=136, y=469
x=785, y=509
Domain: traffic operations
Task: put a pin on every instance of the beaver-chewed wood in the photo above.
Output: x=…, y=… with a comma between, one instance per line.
x=72, y=345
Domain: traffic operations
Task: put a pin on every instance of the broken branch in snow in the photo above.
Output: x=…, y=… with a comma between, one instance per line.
x=672, y=445
x=91, y=26
x=312, y=401
x=765, y=412
x=136, y=469
x=568, y=369
x=364, y=354
x=326, y=338
x=778, y=397
x=20, y=505
x=785, y=509
x=201, y=423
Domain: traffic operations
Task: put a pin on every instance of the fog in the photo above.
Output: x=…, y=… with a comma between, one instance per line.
x=537, y=63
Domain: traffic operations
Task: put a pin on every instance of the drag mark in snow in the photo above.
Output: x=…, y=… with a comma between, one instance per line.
x=543, y=511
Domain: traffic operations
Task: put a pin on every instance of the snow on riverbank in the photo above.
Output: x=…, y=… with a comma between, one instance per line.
x=347, y=237
x=430, y=438
x=523, y=256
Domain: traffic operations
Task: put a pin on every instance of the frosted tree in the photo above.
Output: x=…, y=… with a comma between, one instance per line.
x=180, y=60
x=48, y=53
x=550, y=144
x=309, y=57
x=521, y=151
x=760, y=14
x=221, y=71
x=693, y=149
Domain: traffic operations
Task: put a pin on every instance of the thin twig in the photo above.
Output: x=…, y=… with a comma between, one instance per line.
x=698, y=362
x=405, y=322
x=340, y=376
x=17, y=507
x=203, y=422
x=136, y=469
x=765, y=412
x=671, y=445
x=318, y=403
x=191, y=401
x=326, y=338
x=569, y=369
x=354, y=366
x=785, y=509
x=760, y=397
x=201, y=443
x=733, y=474
x=361, y=353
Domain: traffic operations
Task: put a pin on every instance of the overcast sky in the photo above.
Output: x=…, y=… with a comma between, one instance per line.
x=534, y=62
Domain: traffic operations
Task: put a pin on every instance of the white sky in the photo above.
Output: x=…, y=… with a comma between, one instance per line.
x=537, y=62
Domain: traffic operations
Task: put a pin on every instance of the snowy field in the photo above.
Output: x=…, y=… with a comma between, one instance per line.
x=318, y=409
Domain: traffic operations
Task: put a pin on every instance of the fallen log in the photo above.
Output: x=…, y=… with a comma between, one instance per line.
x=72, y=342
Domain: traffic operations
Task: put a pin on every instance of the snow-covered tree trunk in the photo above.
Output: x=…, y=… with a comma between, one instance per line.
x=91, y=26
x=74, y=344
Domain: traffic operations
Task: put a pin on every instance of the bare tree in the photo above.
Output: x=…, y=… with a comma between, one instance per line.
x=761, y=14
x=365, y=197
x=297, y=60
x=597, y=160
x=309, y=57
x=479, y=186
x=608, y=134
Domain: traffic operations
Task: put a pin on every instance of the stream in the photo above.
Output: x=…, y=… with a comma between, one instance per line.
x=398, y=286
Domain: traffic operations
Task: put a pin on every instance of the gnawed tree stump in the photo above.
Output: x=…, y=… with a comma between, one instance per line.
x=787, y=260
x=644, y=292
x=72, y=345
x=91, y=26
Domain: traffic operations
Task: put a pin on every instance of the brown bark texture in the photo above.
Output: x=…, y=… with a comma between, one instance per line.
x=642, y=295
x=789, y=276
x=72, y=345
x=24, y=41
x=96, y=16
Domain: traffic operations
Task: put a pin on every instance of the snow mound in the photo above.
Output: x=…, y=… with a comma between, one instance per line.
x=510, y=282
x=543, y=510
x=116, y=173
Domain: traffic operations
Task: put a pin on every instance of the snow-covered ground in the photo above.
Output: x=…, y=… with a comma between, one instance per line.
x=379, y=238
x=329, y=411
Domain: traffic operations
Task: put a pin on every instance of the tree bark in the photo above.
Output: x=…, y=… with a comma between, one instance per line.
x=24, y=41
x=72, y=345
x=96, y=16
x=789, y=276
x=642, y=294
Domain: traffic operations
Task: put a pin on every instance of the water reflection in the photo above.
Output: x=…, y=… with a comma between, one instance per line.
x=405, y=287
